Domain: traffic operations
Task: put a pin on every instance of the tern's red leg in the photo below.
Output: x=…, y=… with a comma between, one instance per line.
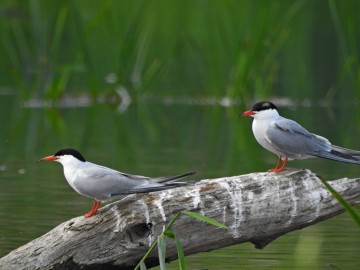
x=95, y=208
x=282, y=167
x=277, y=166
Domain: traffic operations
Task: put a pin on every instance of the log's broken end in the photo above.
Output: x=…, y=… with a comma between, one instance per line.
x=262, y=243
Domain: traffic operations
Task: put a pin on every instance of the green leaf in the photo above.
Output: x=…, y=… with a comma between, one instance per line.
x=162, y=251
x=342, y=201
x=169, y=234
x=160, y=241
x=142, y=266
x=181, y=256
x=204, y=218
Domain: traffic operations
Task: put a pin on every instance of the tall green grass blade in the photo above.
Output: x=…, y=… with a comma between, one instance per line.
x=142, y=266
x=181, y=256
x=204, y=218
x=355, y=216
x=337, y=24
x=180, y=250
x=59, y=29
x=162, y=251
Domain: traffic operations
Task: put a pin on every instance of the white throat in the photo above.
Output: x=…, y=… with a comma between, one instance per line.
x=261, y=123
x=71, y=166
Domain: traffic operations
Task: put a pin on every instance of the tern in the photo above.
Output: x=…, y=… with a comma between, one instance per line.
x=289, y=140
x=102, y=183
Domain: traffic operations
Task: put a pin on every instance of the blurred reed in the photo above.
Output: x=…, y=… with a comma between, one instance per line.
x=240, y=49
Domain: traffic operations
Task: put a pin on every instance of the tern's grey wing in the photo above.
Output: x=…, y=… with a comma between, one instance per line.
x=100, y=182
x=103, y=183
x=295, y=141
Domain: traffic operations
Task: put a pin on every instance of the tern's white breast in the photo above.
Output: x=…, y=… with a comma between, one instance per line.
x=73, y=174
x=260, y=128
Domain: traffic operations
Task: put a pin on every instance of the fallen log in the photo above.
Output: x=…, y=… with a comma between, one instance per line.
x=257, y=208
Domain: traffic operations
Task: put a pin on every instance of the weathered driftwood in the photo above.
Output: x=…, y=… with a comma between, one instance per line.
x=257, y=208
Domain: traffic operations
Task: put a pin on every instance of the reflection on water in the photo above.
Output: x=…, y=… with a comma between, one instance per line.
x=154, y=139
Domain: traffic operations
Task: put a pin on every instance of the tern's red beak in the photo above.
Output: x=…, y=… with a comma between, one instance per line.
x=247, y=113
x=50, y=158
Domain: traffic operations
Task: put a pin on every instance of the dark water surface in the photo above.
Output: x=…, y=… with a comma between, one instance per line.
x=154, y=139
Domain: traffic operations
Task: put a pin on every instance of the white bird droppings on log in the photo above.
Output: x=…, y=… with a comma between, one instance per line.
x=117, y=216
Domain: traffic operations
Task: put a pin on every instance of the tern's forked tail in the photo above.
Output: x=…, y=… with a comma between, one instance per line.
x=339, y=156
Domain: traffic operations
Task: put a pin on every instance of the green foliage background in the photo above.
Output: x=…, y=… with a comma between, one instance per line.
x=241, y=49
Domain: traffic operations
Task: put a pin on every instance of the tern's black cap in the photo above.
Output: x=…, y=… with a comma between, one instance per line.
x=263, y=105
x=69, y=151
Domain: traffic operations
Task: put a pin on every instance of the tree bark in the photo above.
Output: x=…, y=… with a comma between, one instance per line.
x=257, y=208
